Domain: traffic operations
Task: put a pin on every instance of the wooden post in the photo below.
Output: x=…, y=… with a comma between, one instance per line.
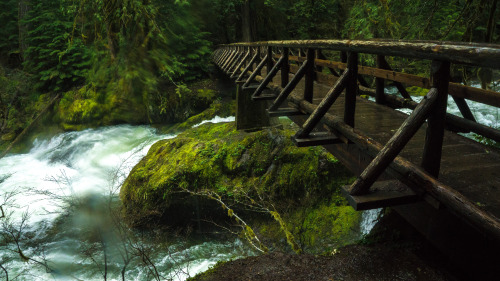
x=322, y=56
x=319, y=55
x=431, y=160
x=380, y=85
x=269, y=64
x=402, y=90
x=351, y=88
x=394, y=146
x=310, y=75
x=343, y=57
x=285, y=68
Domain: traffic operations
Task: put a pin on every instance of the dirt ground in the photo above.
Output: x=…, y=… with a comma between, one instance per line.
x=393, y=251
x=355, y=262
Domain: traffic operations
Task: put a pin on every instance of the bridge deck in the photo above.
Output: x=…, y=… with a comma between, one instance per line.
x=473, y=169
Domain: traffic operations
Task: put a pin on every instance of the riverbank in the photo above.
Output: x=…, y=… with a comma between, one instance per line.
x=393, y=251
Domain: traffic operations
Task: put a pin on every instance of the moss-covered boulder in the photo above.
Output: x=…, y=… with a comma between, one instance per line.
x=235, y=165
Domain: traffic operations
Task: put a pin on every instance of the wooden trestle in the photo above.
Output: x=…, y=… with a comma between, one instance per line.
x=400, y=159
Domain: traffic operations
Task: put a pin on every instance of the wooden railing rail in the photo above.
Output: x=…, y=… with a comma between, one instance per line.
x=432, y=108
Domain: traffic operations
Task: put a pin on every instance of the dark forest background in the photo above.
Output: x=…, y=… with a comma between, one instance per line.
x=134, y=61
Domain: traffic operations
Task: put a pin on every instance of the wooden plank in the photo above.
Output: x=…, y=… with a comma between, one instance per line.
x=315, y=139
x=383, y=194
x=284, y=111
x=264, y=97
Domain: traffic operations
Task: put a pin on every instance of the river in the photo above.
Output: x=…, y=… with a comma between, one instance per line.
x=58, y=204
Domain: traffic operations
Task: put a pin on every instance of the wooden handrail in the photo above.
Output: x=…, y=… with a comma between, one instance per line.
x=479, y=54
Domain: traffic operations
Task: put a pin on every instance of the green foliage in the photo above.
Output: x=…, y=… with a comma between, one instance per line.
x=56, y=61
x=9, y=39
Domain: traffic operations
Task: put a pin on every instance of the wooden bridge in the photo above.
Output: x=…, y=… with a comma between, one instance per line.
x=417, y=163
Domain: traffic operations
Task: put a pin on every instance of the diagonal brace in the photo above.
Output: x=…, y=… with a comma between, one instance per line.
x=252, y=61
x=269, y=77
x=238, y=67
x=255, y=72
x=289, y=87
x=394, y=146
x=324, y=106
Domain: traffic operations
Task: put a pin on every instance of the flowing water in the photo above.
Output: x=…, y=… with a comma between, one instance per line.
x=57, y=201
x=484, y=114
x=82, y=171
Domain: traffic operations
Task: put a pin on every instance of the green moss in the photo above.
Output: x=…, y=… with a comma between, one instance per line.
x=417, y=91
x=217, y=157
x=217, y=108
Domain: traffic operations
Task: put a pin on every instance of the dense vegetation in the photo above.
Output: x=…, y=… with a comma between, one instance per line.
x=110, y=58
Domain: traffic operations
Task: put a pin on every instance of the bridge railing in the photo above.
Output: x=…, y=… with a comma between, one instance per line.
x=246, y=61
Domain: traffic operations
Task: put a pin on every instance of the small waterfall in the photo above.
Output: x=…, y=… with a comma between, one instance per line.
x=368, y=220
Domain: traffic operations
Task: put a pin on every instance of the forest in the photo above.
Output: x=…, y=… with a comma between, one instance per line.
x=107, y=57
x=108, y=170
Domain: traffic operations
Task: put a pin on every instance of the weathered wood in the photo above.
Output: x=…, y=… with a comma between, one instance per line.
x=351, y=88
x=380, y=84
x=255, y=72
x=285, y=67
x=286, y=111
x=321, y=56
x=309, y=76
x=229, y=60
x=476, y=94
x=324, y=106
x=289, y=87
x=240, y=64
x=394, y=146
x=402, y=90
x=249, y=65
x=479, y=54
x=431, y=159
x=412, y=175
x=315, y=139
x=234, y=63
x=269, y=77
x=386, y=193
x=464, y=108
x=455, y=122
x=269, y=63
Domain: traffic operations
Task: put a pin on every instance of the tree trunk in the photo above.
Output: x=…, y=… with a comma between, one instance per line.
x=247, y=22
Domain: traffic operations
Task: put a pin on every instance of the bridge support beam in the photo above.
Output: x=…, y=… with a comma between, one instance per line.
x=251, y=115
